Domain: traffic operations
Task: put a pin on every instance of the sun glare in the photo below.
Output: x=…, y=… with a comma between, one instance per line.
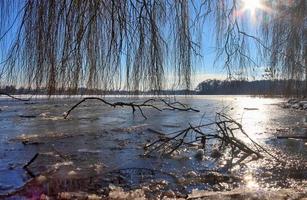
x=251, y=5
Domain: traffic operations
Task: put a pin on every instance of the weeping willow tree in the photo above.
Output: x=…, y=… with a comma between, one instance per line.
x=286, y=42
x=100, y=44
x=136, y=44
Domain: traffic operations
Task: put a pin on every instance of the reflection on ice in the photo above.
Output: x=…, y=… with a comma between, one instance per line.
x=250, y=181
x=255, y=120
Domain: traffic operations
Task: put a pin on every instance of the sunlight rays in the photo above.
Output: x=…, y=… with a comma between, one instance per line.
x=252, y=7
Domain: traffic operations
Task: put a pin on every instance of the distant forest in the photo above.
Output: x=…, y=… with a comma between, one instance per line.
x=258, y=87
x=207, y=87
x=12, y=90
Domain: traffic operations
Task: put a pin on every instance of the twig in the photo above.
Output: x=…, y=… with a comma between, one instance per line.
x=35, y=157
x=292, y=137
x=31, y=161
x=16, y=98
x=172, y=107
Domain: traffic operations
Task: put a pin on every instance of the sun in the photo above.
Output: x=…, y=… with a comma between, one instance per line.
x=252, y=9
x=251, y=5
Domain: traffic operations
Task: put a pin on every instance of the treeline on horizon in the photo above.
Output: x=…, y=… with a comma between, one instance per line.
x=207, y=87
x=13, y=90
x=257, y=87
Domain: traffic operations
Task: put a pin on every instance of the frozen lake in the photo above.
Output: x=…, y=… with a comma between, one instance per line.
x=97, y=139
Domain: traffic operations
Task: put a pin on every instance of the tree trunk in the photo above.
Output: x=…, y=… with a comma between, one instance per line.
x=305, y=54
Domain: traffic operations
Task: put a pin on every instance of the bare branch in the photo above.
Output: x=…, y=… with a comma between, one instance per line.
x=13, y=97
x=225, y=135
x=139, y=106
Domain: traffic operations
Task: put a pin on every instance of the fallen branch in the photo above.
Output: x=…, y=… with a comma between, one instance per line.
x=244, y=133
x=225, y=130
x=148, y=103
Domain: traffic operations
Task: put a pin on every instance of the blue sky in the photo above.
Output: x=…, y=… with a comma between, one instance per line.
x=207, y=67
x=203, y=67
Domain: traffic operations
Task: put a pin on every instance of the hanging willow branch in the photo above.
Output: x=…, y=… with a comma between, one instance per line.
x=63, y=45
x=138, y=44
x=148, y=103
